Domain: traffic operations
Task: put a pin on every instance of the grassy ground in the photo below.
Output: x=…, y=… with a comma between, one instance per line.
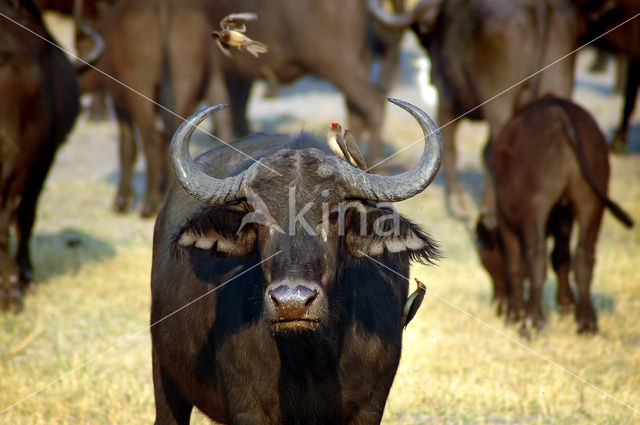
x=85, y=322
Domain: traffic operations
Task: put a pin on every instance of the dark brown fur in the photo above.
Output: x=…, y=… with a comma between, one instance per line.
x=551, y=170
x=38, y=108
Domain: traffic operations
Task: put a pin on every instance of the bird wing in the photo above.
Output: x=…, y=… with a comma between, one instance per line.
x=354, y=150
x=236, y=21
x=413, y=303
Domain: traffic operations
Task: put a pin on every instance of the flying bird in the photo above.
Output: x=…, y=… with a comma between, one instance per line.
x=413, y=303
x=232, y=35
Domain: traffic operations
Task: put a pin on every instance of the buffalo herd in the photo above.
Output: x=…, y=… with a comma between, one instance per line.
x=311, y=329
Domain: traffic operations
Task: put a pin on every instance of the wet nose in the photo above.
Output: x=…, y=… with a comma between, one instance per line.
x=292, y=302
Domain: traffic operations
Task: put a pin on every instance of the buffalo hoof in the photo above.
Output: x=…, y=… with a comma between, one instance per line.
x=586, y=318
x=460, y=204
x=514, y=316
x=501, y=305
x=149, y=210
x=530, y=326
x=619, y=145
x=10, y=295
x=587, y=328
x=525, y=332
x=122, y=204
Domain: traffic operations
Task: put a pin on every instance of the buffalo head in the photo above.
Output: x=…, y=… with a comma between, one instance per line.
x=304, y=213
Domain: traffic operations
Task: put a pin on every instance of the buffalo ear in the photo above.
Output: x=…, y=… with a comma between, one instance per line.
x=388, y=233
x=217, y=230
x=238, y=246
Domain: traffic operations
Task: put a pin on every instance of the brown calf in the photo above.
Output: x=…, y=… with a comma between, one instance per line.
x=551, y=169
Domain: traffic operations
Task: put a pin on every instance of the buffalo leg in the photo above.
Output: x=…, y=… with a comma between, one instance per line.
x=239, y=90
x=583, y=268
x=560, y=224
x=10, y=293
x=536, y=264
x=216, y=94
x=490, y=252
x=497, y=115
x=155, y=150
x=26, y=213
x=128, y=151
x=515, y=271
x=171, y=407
x=458, y=199
x=631, y=91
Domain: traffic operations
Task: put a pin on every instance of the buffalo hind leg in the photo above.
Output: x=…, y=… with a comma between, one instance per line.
x=583, y=262
x=619, y=142
x=560, y=224
x=514, y=270
x=534, y=245
x=128, y=151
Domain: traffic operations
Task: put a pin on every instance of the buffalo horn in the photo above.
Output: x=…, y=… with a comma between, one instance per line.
x=98, y=42
x=193, y=180
x=397, y=21
x=402, y=186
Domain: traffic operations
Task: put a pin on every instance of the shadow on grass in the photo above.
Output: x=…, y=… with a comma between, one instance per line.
x=472, y=178
x=604, y=303
x=633, y=138
x=65, y=252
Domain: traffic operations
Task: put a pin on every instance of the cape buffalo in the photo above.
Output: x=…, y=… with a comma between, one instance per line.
x=551, y=169
x=278, y=280
x=478, y=50
x=38, y=107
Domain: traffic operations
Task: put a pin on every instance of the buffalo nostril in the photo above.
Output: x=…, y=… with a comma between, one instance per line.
x=274, y=300
x=311, y=298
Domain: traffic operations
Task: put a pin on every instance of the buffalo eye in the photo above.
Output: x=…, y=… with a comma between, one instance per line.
x=333, y=217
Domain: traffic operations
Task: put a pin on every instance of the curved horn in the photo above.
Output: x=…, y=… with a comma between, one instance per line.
x=398, y=21
x=98, y=42
x=193, y=180
x=402, y=186
x=94, y=54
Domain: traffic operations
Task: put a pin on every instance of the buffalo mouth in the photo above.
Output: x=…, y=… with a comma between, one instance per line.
x=305, y=324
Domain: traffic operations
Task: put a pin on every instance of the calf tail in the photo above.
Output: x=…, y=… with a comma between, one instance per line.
x=574, y=140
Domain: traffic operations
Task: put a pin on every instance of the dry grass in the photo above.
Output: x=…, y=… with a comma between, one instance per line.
x=93, y=294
